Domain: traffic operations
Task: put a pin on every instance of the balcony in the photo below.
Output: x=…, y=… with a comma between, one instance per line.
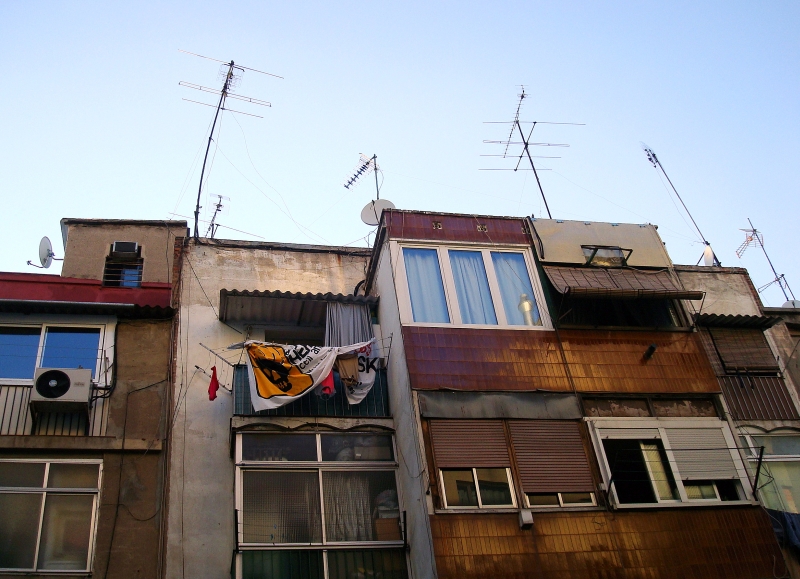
x=16, y=418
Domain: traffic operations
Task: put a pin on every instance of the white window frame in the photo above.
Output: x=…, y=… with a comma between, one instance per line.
x=752, y=457
x=596, y=425
x=513, y=504
x=45, y=490
x=404, y=296
x=319, y=466
x=102, y=369
x=561, y=504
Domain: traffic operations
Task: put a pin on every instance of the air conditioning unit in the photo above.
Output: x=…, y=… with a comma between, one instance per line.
x=125, y=249
x=61, y=390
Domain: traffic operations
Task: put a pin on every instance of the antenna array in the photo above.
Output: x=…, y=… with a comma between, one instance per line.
x=754, y=238
x=366, y=165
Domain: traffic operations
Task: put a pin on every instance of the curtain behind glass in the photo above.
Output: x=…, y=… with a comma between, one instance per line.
x=519, y=302
x=348, y=508
x=347, y=324
x=472, y=287
x=425, y=287
x=281, y=507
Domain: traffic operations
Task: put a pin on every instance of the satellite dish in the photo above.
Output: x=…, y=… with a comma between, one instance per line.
x=792, y=304
x=371, y=214
x=45, y=252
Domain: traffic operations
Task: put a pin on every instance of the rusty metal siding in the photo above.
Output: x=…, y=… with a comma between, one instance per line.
x=597, y=282
x=758, y=398
x=743, y=349
x=415, y=225
x=469, y=443
x=550, y=456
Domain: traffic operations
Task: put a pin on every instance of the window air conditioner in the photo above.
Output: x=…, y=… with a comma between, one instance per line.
x=125, y=249
x=61, y=390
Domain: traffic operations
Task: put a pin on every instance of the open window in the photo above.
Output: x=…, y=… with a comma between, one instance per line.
x=124, y=265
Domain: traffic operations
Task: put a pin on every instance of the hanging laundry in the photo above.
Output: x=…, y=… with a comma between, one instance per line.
x=348, y=369
x=327, y=387
x=214, y=385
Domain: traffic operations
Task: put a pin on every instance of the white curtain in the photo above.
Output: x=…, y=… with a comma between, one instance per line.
x=474, y=297
x=348, y=512
x=515, y=287
x=428, y=303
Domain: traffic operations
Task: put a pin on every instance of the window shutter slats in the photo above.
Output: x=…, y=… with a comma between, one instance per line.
x=743, y=349
x=701, y=453
x=469, y=443
x=550, y=456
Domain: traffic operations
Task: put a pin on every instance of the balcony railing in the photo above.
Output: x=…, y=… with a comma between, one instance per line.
x=16, y=417
x=376, y=403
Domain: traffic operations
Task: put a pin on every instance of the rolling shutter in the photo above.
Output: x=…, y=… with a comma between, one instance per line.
x=743, y=349
x=469, y=443
x=550, y=456
x=701, y=453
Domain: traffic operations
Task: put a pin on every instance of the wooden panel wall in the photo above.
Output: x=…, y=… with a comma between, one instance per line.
x=730, y=543
x=414, y=225
x=599, y=361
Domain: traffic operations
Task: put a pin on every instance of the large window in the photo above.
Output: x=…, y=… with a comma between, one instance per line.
x=652, y=462
x=48, y=514
x=334, y=493
x=469, y=286
x=24, y=348
x=779, y=479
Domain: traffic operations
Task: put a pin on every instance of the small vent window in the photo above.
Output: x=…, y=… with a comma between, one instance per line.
x=124, y=265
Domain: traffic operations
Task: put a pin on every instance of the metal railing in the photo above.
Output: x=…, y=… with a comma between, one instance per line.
x=16, y=417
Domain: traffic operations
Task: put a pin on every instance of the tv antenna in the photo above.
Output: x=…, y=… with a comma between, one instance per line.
x=222, y=204
x=709, y=258
x=754, y=238
x=46, y=255
x=525, y=142
x=231, y=76
x=366, y=165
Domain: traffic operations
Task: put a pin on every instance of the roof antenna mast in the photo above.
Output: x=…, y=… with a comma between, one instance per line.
x=708, y=257
x=755, y=237
x=516, y=126
x=232, y=75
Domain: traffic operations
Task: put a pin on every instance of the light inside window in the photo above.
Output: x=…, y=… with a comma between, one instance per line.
x=698, y=490
x=71, y=348
x=428, y=303
x=516, y=290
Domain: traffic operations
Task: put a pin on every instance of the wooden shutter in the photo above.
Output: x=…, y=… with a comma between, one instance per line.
x=701, y=453
x=469, y=443
x=743, y=349
x=550, y=456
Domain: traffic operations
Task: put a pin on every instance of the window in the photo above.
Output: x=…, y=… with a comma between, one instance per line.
x=25, y=348
x=330, y=492
x=48, y=514
x=124, y=265
x=541, y=500
x=470, y=286
x=477, y=488
x=779, y=479
x=655, y=462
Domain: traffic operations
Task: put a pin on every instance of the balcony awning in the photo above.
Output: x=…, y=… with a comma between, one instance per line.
x=616, y=283
x=276, y=308
x=740, y=321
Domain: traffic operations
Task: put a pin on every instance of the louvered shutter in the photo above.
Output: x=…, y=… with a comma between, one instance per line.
x=701, y=453
x=550, y=456
x=469, y=443
x=630, y=433
x=743, y=349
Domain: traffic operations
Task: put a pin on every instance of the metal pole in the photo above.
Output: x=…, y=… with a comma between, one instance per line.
x=525, y=141
x=208, y=147
x=777, y=277
x=758, y=473
x=375, y=170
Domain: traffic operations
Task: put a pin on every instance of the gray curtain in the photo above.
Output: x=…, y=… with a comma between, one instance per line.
x=348, y=508
x=347, y=324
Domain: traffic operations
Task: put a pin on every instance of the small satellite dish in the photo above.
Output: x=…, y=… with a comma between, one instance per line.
x=46, y=252
x=794, y=304
x=371, y=214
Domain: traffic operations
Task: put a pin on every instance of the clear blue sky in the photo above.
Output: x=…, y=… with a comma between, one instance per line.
x=94, y=124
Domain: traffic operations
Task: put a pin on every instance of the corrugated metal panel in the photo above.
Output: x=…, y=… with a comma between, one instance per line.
x=550, y=456
x=469, y=443
x=711, y=351
x=282, y=308
x=743, y=349
x=534, y=405
x=739, y=321
x=758, y=398
x=595, y=282
x=16, y=419
x=630, y=433
x=701, y=453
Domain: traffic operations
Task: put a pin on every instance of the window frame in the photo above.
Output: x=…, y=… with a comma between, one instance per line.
x=45, y=490
x=596, y=425
x=448, y=281
x=319, y=466
x=561, y=504
x=752, y=450
x=480, y=506
x=101, y=375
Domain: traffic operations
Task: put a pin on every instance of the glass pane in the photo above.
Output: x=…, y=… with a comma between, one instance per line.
x=340, y=447
x=361, y=506
x=73, y=476
x=783, y=492
x=281, y=507
x=71, y=348
x=18, y=528
x=577, y=498
x=18, y=350
x=282, y=565
x=377, y=563
x=66, y=529
x=630, y=477
x=697, y=490
x=472, y=287
x=279, y=447
x=459, y=488
x=543, y=500
x=21, y=474
x=519, y=301
x=659, y=471
x=778, y=444
x=493, y=484
x=425, y=287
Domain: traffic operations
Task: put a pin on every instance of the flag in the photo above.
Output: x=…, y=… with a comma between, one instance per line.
x=214, y=385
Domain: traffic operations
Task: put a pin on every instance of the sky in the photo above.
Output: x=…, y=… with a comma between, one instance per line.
x=95, y=125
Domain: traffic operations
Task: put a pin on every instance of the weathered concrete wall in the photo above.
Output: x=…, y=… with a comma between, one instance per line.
x=88, y=245
x=728, y=289
x=200, y=539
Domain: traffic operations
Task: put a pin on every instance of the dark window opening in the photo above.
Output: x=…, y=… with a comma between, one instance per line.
x=613, y=312
x=124, y=265
x=639, y=470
